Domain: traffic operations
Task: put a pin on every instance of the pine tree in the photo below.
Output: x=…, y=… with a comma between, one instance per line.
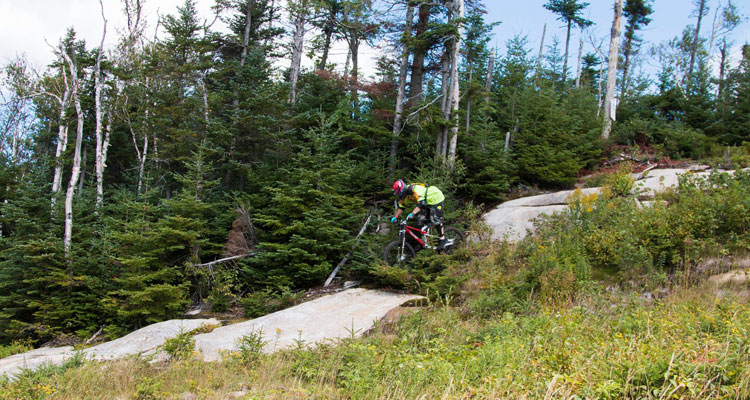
x=636, y=13
x=569, y=11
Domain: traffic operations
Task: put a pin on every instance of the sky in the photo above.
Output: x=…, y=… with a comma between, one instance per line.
x=30, y=26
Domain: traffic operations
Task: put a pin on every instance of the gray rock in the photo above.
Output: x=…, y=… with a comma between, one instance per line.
x=557, y=198
x=736, y=277
x=512, y=220
x=145, y=340
x=13, y=365
x=341, y=315
x=142, y=341
x=514, y=223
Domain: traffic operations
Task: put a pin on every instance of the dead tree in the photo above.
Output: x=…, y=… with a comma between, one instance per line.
x=399, y=117
x=62, y=132
x=299, y=12
x=76, y=170
x=102, y=138
x=580, y=57
x=614, y=47
x=455, y=53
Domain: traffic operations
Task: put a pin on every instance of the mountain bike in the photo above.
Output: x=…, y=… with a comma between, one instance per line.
x=401, y=251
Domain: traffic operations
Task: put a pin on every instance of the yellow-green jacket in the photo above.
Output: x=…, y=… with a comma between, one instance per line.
x=419, y=194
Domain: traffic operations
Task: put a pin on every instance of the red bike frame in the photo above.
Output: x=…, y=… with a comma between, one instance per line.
x=411, y=231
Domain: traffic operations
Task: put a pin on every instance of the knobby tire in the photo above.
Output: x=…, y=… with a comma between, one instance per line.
x=392, y=259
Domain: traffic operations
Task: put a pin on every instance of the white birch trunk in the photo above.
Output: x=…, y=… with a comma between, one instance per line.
x=454, y=84
x=444, y=106
x=100, y=148
x=62, y=137
x=580, y=59
x=404, y=67
x=541, y=52
x=76, y=171
x=300, y=22
x=143, y=157
x=614, y=47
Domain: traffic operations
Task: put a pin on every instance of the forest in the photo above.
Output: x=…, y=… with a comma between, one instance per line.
x=126, y=170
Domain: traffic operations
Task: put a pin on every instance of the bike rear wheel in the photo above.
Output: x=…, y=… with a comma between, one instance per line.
x=391, y=254
x=455, y=236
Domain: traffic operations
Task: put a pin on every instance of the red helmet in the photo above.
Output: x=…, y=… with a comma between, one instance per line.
x=398, y=188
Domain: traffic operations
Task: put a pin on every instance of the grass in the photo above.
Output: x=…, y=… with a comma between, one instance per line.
x=688, y=345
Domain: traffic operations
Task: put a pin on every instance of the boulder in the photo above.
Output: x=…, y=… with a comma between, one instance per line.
x=513, y=219
x=145, y=340
x=142, y=341
x=13, y=365
x=341, y=315
x=514, y=223
x=736, y=277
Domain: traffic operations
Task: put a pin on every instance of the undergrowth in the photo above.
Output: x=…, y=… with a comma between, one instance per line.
x=562, y=314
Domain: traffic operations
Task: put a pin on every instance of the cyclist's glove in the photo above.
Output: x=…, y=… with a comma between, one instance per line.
x=410, y=216
x=394, y=219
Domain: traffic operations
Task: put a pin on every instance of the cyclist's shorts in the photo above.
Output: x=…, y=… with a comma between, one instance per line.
x=436, y=214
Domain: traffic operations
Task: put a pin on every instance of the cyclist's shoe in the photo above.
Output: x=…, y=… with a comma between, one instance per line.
x=441, y=244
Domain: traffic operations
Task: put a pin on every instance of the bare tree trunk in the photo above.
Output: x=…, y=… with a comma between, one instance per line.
x=444, y=106
x=541, y=52
x=328, y=32
x=246, y=36
x=722, y=71
x=580, y=58
x=354, y=46
x=62, y=137
x=459, y=4
x=143, y=156
x=601, y=88
x=614, y=47
x=417, y=65
x=300, y=15
x=694, y=46
x=468, y=100
x=76, y=171
x=100, y=149
x=348, y=61
x=565, y=60
x=398, y=118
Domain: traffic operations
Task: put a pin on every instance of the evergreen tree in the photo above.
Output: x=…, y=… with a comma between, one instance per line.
x=636, y=13
x=569, y=11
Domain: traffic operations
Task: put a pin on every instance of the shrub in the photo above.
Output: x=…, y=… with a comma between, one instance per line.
x=250, y=347
x=180, y=347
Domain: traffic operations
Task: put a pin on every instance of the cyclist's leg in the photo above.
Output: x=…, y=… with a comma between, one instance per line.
x=436, y=217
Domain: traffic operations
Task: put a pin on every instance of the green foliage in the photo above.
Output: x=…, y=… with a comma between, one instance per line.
x=149, y=388
x=558, y=136
x=180, y=347
x=621, y=183
x=675, y=140
x=307, y=216
x=250, y=348
x=15, y=347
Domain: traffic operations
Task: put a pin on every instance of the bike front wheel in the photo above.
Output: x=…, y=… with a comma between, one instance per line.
x=392, y=255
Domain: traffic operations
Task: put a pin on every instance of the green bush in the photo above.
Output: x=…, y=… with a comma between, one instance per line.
x=180, y=347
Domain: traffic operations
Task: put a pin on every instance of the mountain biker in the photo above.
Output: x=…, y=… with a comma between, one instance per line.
x=428, y=199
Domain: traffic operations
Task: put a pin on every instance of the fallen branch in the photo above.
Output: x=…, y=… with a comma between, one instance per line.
x=223, y=260
x=94, y=336
x=346, y=258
